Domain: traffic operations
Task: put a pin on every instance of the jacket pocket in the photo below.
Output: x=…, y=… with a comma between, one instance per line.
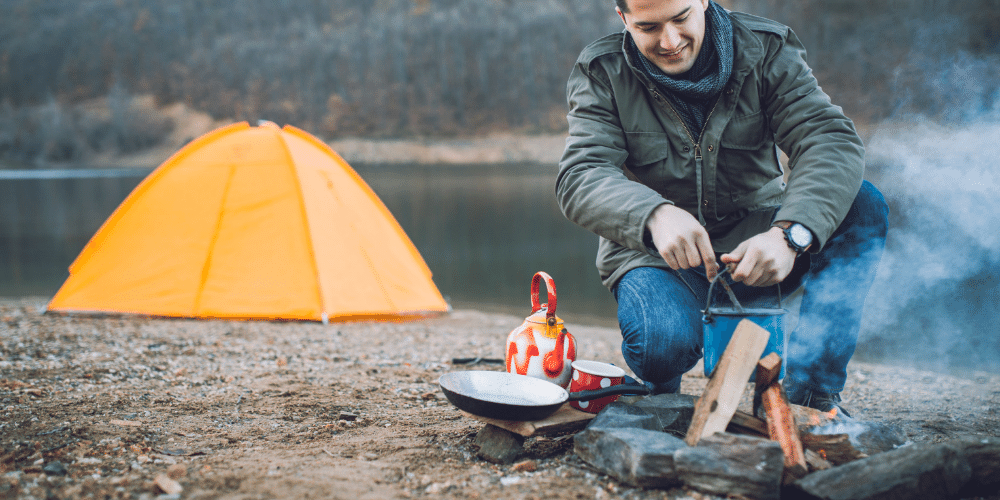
x=646, y=148
x=747, y=158
x=746, y=132
x=654, y=160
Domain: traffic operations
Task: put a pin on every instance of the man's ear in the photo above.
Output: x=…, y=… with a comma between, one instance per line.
x=622, y=15
x=704, y=3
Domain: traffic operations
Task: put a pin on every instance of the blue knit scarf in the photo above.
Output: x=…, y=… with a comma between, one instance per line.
x=693, y=93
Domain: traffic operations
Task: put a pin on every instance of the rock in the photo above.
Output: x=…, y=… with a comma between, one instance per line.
x=639, y=457
x=879, y=437
x=497, y=445
x=731, y=464
x=983, y=456
x=925, y=471
x=624, y=416
x=167, y=485
x=55, y=468
x=673, y=410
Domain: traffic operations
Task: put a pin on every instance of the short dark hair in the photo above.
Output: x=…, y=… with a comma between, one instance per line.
x=622, y=5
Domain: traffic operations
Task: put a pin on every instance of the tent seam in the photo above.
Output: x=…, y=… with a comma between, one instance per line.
x=311, y=244
x=369, y=193
x=215, y=238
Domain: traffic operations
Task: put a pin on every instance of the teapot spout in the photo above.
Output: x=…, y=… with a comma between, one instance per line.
x=555, y=360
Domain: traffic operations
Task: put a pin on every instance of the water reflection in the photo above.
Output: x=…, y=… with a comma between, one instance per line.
x=484, y=230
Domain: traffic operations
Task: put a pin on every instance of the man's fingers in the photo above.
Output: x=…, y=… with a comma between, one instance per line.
x=668, y=257
x=707, y=256
x=745, y=267
x=691, y=252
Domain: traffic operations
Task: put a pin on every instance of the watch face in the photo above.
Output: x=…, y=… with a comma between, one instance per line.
x=800, y=235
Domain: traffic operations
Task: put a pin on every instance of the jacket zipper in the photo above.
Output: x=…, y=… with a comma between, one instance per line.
x=697, y=145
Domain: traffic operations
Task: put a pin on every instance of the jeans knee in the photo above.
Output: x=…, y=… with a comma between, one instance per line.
x=658, y=354
x=660, y=324
x=871, y=209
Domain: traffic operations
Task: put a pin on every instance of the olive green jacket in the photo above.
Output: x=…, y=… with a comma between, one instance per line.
x=628, y=151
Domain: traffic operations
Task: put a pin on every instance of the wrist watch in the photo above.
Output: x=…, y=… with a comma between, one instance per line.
x=797, y=236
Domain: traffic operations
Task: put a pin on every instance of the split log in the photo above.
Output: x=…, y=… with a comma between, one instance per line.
x=718, y=402
x=745, y=423
x=816, y=462
x=770, y=395
x=768, y=370
x=781, y=428
x=565, y=419
x=983, y=455
x=732, y=465
x=918, y=471
x=808, y=418
x=637, y=457
x=834, y=448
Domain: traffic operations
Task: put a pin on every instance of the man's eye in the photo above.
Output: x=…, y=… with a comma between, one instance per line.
x=646, y=29
x=683, y=19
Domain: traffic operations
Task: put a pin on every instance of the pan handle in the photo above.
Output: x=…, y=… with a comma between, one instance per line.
x=631, y=389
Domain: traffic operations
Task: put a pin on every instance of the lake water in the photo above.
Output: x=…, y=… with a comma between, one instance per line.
x=484, y=230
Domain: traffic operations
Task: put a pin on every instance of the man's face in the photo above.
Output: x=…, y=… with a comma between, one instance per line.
x=668, y=32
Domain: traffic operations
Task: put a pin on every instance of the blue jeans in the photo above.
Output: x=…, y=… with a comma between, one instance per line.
x=659, y=310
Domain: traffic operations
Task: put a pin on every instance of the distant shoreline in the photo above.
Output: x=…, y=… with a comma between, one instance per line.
x=504, y=149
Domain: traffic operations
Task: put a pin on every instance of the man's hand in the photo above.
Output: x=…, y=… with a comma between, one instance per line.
x=681, y=240
x=764, y=260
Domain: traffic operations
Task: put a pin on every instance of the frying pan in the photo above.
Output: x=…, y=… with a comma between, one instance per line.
x=507, y=396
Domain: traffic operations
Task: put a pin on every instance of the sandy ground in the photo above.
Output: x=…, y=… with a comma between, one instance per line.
x=250, y=409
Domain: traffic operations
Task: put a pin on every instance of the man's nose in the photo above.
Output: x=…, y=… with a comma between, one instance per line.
x=670, y=39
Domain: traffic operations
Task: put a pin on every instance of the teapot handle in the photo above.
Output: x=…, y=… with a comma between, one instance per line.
x=550, y=287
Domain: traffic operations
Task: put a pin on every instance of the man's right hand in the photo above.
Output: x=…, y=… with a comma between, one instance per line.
x=681, y=240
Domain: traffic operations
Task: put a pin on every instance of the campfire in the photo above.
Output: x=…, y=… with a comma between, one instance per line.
x=789, y=450
x=778, y=449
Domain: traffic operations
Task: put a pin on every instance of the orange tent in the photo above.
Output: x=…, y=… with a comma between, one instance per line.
x=252, y=222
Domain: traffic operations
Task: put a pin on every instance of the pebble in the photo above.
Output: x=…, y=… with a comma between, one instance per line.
x=436, y=488
x=510, y=480
x=525, y=466
x=167, y=485
x=55, y=468
x=176, y=471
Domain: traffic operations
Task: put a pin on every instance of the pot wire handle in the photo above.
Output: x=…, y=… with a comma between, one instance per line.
x=707, y=313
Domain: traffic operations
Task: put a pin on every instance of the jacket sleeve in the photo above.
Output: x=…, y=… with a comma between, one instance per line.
x=825, y=154
x=592, y=187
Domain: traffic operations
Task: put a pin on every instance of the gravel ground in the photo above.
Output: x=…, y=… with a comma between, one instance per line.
x=134, y=407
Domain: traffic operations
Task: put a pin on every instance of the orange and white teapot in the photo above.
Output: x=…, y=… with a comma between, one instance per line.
x=541, y=347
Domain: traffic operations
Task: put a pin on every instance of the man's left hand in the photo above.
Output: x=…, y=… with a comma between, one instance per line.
x=764, y=260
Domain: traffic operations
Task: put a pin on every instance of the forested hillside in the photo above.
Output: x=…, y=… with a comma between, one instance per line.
x=438, y=68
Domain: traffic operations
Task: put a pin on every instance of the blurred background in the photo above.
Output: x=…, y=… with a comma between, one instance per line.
x=95, y=94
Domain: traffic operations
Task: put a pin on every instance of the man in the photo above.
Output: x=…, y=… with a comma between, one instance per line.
x=671, y=159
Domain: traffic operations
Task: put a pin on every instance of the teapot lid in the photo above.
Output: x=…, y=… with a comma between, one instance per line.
x=542, y=317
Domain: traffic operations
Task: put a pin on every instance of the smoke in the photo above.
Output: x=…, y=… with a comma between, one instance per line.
x=935, y=298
